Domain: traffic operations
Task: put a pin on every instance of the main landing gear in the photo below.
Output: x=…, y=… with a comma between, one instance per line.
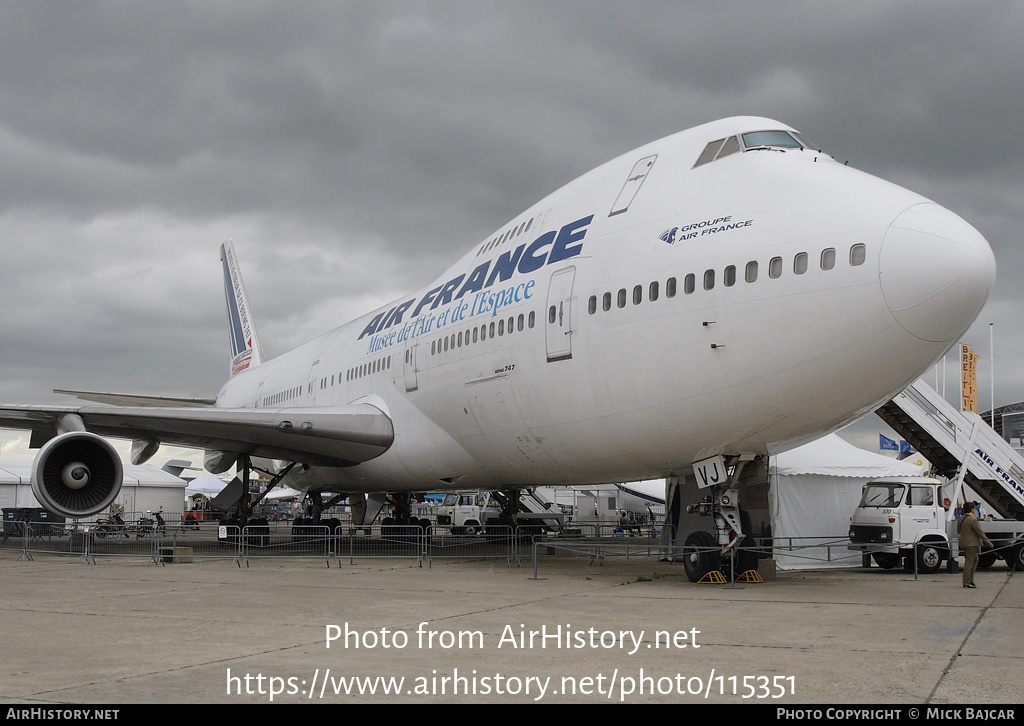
x=402, y=513
x=732, y=544
x=257, y=529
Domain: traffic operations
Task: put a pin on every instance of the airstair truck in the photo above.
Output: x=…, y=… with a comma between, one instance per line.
x=901, y=518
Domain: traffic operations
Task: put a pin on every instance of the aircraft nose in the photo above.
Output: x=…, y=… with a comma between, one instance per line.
x=936, y=272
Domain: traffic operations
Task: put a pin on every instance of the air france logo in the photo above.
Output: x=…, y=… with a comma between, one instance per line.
x=548, y=249
x=702, y=228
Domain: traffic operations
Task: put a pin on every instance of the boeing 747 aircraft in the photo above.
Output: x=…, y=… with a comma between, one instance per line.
x=719, y=295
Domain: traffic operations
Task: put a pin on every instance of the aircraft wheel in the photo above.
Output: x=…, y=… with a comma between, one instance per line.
x=698, y=556
x=747, y=554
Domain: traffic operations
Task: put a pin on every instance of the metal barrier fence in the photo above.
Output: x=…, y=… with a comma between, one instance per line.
x=195, y=541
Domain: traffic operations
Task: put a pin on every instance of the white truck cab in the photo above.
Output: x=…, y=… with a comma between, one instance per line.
x=463, y=512
x=900, y=516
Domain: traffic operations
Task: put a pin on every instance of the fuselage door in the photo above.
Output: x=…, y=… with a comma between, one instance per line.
x=411, y=346
x=558, y=315
x=313, y=385
x=632, y=185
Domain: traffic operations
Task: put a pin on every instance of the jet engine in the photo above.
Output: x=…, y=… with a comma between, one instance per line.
x=77, y=474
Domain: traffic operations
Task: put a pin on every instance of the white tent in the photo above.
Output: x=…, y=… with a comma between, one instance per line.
x=208, y=485
x=814, y=490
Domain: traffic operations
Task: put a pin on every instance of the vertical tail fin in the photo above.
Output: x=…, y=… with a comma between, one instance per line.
x=246, y=351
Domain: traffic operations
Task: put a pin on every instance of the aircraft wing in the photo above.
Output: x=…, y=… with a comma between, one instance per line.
x=132, y=399
x=328, y=436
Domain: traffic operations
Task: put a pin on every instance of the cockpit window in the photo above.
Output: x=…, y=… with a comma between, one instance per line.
x=782, y=139
x=772, y=139
x=718, y=149
x=808, y=144
x=731, y=146
x=709, y=152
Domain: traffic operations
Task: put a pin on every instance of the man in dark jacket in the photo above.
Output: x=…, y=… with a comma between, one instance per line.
x=971, y=538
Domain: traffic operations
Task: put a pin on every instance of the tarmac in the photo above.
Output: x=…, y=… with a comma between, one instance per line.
x=128, y=632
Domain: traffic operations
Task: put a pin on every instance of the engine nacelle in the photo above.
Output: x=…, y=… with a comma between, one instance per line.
x=77, y=474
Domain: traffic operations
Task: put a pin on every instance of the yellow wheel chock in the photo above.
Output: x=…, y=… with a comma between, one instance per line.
x=715, y=577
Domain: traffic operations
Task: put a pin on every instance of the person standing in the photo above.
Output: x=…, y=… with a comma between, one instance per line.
x=971, y=538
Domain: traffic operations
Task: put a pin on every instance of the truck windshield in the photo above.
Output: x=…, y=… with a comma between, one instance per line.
x=450, y=500
x=882, y=494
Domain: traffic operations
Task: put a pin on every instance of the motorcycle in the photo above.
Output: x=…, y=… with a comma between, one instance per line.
x=113, y=527
x=150, y=526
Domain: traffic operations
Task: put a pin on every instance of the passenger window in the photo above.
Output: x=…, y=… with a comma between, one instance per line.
x=800, y=263
x=475, y=335
x=670, y=287
x=689, y=284
x=729, y=276
x=501, y=324
x=607, y=303
x=858, y=253
x=592, y=305
x=521, y=319
x=775, y=268
x=750, y=274
x=653, y=292
x=621, y=301
x=551, y=314
x=709, y=280
x=638, y=295
x=532, y=315
x=828, y=258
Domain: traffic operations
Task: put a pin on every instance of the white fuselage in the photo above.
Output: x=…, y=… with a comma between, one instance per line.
x=648, y=315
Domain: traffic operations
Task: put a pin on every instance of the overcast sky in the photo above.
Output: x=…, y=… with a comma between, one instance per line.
x=354, y=149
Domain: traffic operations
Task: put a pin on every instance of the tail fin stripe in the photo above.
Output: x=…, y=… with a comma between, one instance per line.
x=242, y=338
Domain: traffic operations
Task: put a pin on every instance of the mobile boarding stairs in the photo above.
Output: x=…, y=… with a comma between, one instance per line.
x=961, y=447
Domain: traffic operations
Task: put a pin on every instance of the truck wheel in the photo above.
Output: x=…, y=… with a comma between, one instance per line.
x=930, y=556
x=886, y=560
x=1015, y=557
x=986, y=560
x=698, y=556
x=471, y=529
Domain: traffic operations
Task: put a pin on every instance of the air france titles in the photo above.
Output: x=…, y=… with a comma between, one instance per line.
x=704, y=227
x=480, y=299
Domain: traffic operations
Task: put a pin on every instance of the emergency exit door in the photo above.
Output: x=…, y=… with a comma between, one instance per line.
x=558, y=315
